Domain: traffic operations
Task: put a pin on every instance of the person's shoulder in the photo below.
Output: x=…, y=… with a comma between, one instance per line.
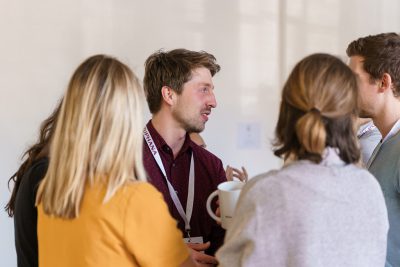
x=40, y=164
x=141, y=187
x=263, y=181
x=284, y=178
x=263, y=177
x=210, y=162
x=268, y=187
x=390, y=149
x=394, y=140
x=37, y=171
x=355, y=171
x=41, y=161
x=139, y=196
x=204, y=154
x=141, y=191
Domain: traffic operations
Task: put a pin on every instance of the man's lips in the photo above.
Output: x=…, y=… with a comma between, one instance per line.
x=205, y=115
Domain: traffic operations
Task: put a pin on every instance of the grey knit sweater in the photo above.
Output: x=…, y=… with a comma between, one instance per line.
x=307, y=214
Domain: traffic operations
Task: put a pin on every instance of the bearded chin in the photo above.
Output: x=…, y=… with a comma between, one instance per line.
x=191, y=128
x=187, y=124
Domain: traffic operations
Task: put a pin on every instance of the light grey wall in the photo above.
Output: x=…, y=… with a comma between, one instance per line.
x=256, y=42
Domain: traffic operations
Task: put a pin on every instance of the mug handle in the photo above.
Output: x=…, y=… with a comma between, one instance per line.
x=208, y=205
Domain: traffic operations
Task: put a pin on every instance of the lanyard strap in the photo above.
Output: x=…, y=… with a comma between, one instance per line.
x=189, y=202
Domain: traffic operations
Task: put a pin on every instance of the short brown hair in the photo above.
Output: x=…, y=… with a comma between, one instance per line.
x=381, y=55
x=172, y=69
x=318, y=107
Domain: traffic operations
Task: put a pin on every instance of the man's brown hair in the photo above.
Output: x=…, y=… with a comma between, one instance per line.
x=318, y=107
x=381, y=55
x=172, y=69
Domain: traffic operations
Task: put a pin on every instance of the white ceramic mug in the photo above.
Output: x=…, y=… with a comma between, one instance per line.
x=228, y=194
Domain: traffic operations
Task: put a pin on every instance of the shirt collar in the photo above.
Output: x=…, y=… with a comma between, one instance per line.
x=330, y=157
x=162, y=145
x=365, y=128
x=395, y=129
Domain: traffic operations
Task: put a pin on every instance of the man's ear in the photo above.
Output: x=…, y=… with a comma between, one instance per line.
x=385, y=82
x=168, y=94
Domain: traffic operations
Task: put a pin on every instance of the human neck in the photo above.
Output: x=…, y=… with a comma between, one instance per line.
x=387, y=117
x=170, y=131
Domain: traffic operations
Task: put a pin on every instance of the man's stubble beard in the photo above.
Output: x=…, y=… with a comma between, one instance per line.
x=187, y=124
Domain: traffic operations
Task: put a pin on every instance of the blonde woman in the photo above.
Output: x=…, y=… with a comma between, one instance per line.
x=320, y=209
x=94, y=206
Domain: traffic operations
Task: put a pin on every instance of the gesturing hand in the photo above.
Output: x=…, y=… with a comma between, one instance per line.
x=233, y=172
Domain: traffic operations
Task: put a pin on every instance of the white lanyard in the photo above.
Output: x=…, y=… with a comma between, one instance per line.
x=189, y=202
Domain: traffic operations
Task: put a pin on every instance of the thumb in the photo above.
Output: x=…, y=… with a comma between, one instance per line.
x=199, y=246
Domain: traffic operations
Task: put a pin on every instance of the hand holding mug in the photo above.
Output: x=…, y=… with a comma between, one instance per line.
x=228, y=194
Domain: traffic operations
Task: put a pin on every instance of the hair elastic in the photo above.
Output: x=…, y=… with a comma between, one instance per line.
x=314, y=109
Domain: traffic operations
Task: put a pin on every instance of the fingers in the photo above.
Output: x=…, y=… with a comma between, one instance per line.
x=199, y=246
x=245, y=173
x=229, y=173
x=242, y=176
x=218, y=213
x=203, y=258
x=233, y=172
x=244, y=170
x=197, y=252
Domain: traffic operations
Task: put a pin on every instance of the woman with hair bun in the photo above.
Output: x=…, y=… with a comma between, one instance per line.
x=321, y=208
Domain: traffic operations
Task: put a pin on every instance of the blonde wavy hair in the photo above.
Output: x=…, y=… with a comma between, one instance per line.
x=98, y=136
x=318, y=109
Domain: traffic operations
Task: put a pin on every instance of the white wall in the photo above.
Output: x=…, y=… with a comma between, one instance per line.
x=256, y=42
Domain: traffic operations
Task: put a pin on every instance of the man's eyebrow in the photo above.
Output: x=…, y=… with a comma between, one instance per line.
x=207, y=84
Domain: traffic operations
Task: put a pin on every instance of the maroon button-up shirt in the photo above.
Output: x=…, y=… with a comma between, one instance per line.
x=208, y=171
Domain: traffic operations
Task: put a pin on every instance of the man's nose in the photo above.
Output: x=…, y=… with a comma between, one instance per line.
x=212, y=101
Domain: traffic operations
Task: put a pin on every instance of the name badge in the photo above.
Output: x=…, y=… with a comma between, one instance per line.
x=194, y=239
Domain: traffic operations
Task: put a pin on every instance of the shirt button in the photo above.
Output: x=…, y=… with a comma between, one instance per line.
x=173, y=164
